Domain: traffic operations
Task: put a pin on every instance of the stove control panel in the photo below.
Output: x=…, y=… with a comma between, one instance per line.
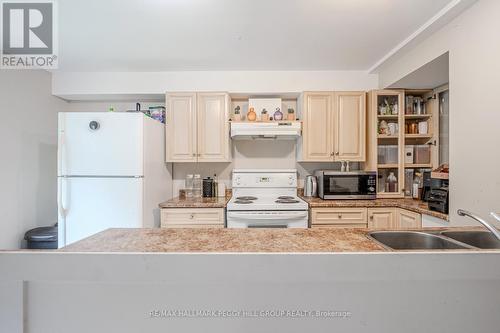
x=259, y=179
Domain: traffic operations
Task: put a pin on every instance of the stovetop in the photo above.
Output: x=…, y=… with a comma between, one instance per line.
x=270, y=202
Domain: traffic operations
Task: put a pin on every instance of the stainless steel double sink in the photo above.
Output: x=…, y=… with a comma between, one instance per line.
x=445, y=240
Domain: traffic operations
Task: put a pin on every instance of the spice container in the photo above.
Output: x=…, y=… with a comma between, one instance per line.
x=290, y=114
x=208, y=184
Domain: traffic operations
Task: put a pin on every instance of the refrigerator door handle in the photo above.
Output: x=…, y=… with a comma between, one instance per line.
x=61, y=208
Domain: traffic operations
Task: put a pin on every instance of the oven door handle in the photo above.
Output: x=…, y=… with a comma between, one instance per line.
x=254, y=217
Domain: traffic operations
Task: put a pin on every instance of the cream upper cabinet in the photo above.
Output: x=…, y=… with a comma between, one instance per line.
x=382, y=218
x=317, y=133
x=181, y=127
x=334, y=126
x=350, y=125
x=213, y=127
x=197, y=127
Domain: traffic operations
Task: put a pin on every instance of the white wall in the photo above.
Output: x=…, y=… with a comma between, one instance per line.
x=78, y=85
x=28, y=143
x=473, y=42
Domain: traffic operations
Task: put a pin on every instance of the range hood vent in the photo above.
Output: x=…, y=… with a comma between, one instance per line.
x=283, y=130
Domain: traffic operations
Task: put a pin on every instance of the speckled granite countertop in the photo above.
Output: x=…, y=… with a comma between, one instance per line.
x=217, y=202
x=227, y=240
x=409, y=204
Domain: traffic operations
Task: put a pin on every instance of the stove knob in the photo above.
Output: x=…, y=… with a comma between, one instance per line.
x=290, y=180
x=238, y=181
x=371, y=189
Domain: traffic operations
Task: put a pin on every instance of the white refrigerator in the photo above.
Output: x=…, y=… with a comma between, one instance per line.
x=111, y=173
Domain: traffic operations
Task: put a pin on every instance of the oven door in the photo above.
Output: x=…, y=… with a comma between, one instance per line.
x=348, y=185
x=267, y=219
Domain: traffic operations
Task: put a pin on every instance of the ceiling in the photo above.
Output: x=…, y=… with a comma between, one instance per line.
x=170, y=35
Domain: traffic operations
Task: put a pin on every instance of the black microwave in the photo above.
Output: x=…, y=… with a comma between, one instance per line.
x=346, y=185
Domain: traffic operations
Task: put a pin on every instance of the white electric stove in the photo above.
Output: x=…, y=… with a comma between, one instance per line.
x=266, y=199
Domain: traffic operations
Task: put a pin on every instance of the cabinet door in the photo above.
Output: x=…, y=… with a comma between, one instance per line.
x=317, y=127
x=213, y=127
x=409, y=220
x=382, y=218
x=350, y=126
x=192, y=217
x=338, y=217
x=181, y=127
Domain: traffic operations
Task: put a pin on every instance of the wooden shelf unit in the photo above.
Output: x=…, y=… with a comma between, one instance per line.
x=402, y=139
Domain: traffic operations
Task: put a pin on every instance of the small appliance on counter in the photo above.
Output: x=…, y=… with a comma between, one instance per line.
x=430, y=183
x=310, y=186
x=439, y=199
x=346, y=185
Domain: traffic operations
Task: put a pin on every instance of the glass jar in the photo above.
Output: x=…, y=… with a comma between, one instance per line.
x=188, y=186
x=197, y=186
x=251, y=115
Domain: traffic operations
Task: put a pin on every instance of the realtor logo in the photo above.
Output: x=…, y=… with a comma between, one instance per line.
x=28, y=35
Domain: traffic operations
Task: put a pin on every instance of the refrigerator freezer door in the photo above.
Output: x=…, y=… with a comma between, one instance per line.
x=91, y=205
x=100, y=144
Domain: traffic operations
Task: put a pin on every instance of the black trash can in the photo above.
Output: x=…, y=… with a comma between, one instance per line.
x=42, y=238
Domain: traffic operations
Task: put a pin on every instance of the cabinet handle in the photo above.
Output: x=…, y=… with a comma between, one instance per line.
x=337, y=153
x=194, y=154
x=371, y=217
x=340, y=216
x=191, y=216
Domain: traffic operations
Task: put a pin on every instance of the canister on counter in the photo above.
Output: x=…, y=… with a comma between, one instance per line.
x=207, y=187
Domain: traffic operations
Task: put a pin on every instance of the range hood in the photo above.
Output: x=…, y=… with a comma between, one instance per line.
x=284, y=130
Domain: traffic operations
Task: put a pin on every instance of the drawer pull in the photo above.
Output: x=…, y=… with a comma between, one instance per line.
x=191, y=216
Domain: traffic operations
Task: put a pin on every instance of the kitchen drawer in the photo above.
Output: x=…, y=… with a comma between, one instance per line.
x=192, y=217
x=339, y=217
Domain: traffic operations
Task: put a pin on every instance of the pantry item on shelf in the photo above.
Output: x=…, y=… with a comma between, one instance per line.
x=278, y=115
x=197, y=186
x=395, y=109
x=237, y=114
x=409, y=158
x=422, y=154
x=416, y=192
x=188, y=185
x=251, y=115
x=383, y=128
x=408, y=180
x=392, y=128
x=422, y=127
x=391, y=154
x=264, y=116
x=391, y=184
x=409, y=105
x=290, y=114
x=418, y=105
x=413, y=129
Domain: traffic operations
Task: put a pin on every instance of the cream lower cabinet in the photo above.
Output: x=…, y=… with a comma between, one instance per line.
x=334, y=126
x=192, y=217
x=197, y=127
x=339, y=217
x=408, y=219
x=382, y=218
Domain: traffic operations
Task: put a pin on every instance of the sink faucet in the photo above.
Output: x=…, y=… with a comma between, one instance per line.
x=488, y=226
